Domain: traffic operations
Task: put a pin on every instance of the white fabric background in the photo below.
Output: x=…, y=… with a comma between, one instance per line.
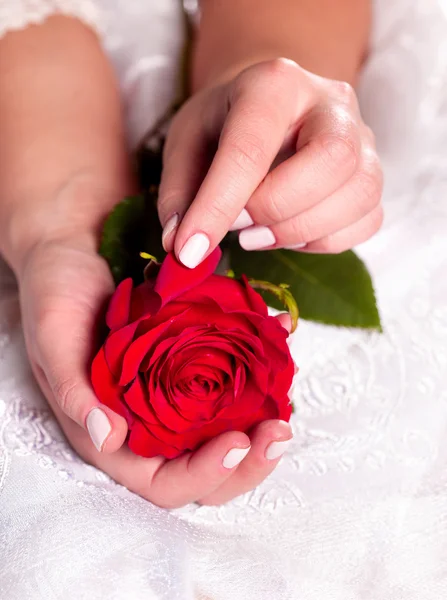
x=357, y=510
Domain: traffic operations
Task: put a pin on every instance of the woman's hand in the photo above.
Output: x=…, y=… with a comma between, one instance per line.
x=64, y=286
x=277, y=152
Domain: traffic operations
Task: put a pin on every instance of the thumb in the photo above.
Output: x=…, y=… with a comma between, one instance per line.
x=62, y=355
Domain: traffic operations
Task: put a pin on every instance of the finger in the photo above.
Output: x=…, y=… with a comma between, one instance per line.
x=350, y=236
x=343, y=208
x=262, y=107
x=63, y=366
x=328, y=153
x=185, y=162
x=193, y=475
x=286, y=321
x=268, y=443
x=166, y=483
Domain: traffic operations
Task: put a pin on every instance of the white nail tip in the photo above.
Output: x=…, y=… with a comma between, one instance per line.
x=244, y=220
x=194, y=250
x=171, y=224
x=234, y=457
x=98, y=426
x=296, y=247
x=276, y=449
x=256, y=238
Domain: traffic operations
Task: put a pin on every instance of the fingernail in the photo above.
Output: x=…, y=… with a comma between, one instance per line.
x=171, y=224
x=256, y=238
x=234, y=457
x=194, y=250
x=98, y=426
x=296, y=247
x=276, y=449
x=244, y=220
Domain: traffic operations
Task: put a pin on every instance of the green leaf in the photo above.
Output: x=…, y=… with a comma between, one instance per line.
x=334, y=289
x=131, y=228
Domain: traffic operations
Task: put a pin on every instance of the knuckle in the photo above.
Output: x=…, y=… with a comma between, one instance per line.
x=64, y=390
x=246, y=151
x=344, y=91
x=329, y=245
x=370, y=135
x=370, y=182
x=340, y=151
x=302, y=230
x=168, y=198
x=281, y=67
x=45, y=327
x=272, y=204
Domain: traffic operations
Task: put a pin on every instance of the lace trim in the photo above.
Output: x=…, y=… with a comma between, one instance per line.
x=18, y=14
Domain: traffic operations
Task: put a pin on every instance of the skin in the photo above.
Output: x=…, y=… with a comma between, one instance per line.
x=63, y=166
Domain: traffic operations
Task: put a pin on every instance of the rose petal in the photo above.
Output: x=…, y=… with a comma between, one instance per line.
x=239, y=380
x=171, y=312
x=105, y=387
x=143, y=443
x=229, y=294
x=116, y=346
x=174, y=343
x=174, y=278
x=281, y=381
x=164, y=411
x=255, y=300
x=144, y=302
x=246, y=404
x=118, y=311
x=137, y=351
x=274, y=339
x=137, y=399
x=206, y=361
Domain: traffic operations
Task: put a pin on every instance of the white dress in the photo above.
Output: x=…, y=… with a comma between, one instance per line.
x=357, y=509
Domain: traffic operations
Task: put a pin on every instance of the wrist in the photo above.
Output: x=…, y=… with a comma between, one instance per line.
x=326, y=38
x=75, y=213
x=228, y=72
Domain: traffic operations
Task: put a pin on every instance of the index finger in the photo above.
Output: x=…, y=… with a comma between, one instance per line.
x=263, y=104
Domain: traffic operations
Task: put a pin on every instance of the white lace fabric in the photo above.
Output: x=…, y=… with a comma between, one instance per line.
x=357, y=509
x=18, y=14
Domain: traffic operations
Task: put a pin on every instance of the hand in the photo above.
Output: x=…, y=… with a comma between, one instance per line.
x=277, y=152
x=64, y=285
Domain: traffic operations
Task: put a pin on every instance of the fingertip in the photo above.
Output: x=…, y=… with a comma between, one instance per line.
x=285, y=321
x=273, y=429
x=223, y=450
x=194, y=250
x=107, y=429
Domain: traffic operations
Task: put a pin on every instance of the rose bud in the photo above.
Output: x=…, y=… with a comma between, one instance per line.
x=191, y=355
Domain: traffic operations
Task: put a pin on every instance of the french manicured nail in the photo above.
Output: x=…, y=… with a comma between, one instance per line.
x=296, y=246
x=98, y=426
x=194, y=250
x=171, y=224
x=244, y=220
x=256, y=238
x=234, y=457
x=276, y=449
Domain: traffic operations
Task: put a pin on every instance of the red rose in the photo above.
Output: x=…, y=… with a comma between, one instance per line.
x=189, y=356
